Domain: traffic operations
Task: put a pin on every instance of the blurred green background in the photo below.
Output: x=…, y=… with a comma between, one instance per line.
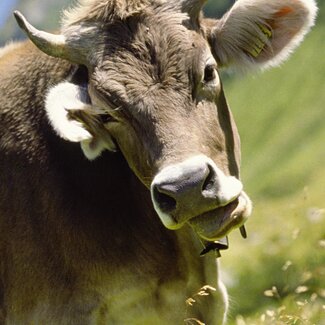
x=277, y=275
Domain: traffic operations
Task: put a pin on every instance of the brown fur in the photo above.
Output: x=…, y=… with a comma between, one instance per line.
x=81, y=241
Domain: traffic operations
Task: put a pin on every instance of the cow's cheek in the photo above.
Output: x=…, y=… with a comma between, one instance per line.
x=134, y=151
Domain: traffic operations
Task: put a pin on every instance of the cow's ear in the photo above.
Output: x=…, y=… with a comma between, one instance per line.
x=260, y=32
x=69, y=109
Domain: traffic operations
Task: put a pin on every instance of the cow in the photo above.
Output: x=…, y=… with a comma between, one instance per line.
x=120, y=159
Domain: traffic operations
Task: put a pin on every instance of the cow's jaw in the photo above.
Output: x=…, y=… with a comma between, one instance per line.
x=215, y=224
x=197, y=192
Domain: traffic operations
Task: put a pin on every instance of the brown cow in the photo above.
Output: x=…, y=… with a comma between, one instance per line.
x=135, y=82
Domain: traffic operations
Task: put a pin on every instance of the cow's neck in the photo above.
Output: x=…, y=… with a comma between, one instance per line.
x=114, y=212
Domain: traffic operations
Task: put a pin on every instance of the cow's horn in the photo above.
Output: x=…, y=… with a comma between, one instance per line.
x=51, y=44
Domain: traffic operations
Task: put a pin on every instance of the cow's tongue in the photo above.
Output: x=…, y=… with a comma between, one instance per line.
x=215, y=224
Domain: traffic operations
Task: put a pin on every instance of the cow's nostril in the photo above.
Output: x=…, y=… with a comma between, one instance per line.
x=210, y=181
x=165, y=202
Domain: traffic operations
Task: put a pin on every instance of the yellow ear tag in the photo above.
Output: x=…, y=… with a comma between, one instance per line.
x=259, y=44
x=266, y=30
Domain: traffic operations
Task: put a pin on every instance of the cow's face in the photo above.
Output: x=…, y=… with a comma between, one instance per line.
x=166, y=112
x=152, y=90
x=162, y=97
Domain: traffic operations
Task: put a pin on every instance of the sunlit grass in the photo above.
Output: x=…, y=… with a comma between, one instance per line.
x=277, y=275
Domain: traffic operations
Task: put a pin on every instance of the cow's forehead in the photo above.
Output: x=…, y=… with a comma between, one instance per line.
x=152, y=38
x=142, y=52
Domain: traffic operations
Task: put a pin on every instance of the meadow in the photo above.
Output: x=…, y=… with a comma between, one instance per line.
x=277, y=275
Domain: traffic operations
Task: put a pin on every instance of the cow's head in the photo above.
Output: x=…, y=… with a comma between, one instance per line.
x=147, y=83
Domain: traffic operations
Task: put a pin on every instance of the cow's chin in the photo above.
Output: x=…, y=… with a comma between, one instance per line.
x=217, y=223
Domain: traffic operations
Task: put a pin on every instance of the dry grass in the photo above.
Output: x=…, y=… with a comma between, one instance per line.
x=191, y=301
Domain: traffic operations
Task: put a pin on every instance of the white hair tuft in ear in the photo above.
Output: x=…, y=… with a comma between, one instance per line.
x=71, y=115
x=60, y=99
x=92, y=149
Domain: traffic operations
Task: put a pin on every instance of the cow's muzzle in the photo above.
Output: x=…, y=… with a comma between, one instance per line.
x=198, y=192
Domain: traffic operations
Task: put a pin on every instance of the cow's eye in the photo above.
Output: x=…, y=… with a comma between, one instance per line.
x=106, y=118
x=209, y=73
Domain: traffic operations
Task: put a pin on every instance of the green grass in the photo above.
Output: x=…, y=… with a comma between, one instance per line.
x=277, y=275
x=281, y=116
x=285, y=250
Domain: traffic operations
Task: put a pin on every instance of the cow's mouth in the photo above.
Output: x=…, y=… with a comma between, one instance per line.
x=198, y=193
x=217, y=223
